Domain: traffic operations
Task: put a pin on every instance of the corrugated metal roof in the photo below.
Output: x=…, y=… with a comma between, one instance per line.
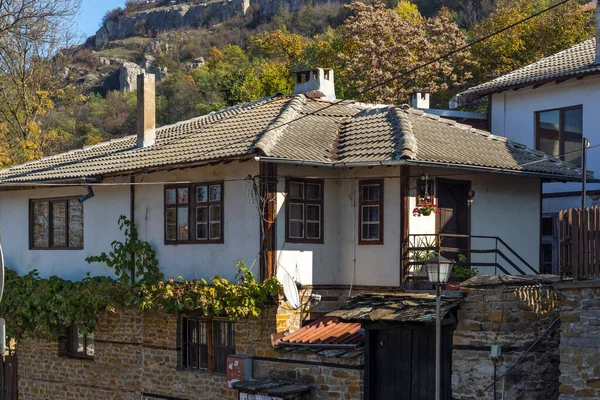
x=573, y=62
x=299, y=128
x=328, y=331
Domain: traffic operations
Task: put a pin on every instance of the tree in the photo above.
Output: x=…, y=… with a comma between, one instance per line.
x=31, y=32
x=528, y=42
x=379, y=45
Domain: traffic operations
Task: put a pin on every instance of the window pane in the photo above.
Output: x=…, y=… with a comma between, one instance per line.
x=201, y=194
x=313, y=191
x=370, y=213
x=297, y=229
x=548, y=131
x=296, y=211
x=171, y=224
x=59, y=222
x=202, y=231
x=192, y=356
x=371, y=192
x=215, y=230
x=75, y=224
x=41, y=214
x=171, y=196
x=313, y=230
x=370, y=231
x=296, y=190
x=202, y=214
x=80, y=342
x=215, y=213
x=573, y=135
x=547, y=226
x=89, y=348
x=192, y=331
x=182, y=196
x=224, y=343
x=313, y=212
x=182, y=223
x=215, y=192
x=203, y=356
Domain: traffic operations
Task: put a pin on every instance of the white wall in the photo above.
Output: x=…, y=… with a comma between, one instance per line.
x=241, y=226
x=513, y=117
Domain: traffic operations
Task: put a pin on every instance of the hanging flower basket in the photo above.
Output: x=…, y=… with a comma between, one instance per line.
x=425, y=209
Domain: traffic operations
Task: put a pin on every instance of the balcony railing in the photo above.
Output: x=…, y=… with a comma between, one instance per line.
x=489, y=254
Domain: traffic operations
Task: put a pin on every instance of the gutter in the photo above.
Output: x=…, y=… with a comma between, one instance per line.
x=474, y=168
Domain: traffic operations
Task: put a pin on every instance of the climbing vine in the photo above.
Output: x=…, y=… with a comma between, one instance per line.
x=43, y=307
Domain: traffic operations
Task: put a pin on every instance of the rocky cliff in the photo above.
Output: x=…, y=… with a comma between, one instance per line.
x=186, y=14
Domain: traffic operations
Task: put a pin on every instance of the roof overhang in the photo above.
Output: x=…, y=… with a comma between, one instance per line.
x=474, y=168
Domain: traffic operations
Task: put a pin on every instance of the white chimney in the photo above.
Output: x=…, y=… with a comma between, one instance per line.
x=419, y=100
x=317, y=79
x=146, y=110
x=597, y=15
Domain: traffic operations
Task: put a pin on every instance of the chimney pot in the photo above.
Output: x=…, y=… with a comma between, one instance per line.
x=316, y=80
x=146, y=110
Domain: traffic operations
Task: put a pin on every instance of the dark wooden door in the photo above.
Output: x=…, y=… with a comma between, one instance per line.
x=454, y=216
x=400, y=362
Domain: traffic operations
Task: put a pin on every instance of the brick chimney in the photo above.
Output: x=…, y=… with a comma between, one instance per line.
x=419, y=100
x=146, y=110
x=316, y=80
x=597, y=15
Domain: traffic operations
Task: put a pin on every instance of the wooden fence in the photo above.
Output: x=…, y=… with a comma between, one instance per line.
x=579, y=242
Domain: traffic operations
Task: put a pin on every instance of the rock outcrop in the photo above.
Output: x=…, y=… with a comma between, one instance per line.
x=128, y=77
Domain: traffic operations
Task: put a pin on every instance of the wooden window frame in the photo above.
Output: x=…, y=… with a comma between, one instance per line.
x=50, y=224
x=211, y=344
x=362, y=202
x=68, y=345
x=192, y=207
x=561, y=127
x=304, y=202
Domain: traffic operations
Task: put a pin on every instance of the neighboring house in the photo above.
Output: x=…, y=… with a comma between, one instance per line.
x=551, y=105
x=302, y=187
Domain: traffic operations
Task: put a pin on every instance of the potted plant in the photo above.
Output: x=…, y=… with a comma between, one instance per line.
x=425, y=208
x=460, y=273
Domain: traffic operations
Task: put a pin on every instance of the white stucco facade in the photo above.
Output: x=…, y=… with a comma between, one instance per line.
x=504, y=206
x=513, y=116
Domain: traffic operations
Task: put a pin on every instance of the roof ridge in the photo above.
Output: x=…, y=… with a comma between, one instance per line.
x=267, y=140
x=406, y=143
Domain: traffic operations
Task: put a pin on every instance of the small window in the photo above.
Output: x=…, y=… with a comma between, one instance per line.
x=371, y=212
x=76, y=344
x=194, y=213
x=560, y=133
x=56, y=224
x=304, y=211
x=197, y=351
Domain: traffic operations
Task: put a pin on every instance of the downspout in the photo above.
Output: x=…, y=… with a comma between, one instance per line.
x=132, y=219
x=404, y=216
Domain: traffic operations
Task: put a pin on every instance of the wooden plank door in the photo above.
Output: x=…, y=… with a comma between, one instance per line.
x=454, y=217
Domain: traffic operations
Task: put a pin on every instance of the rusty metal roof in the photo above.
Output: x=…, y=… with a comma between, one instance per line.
x=329, y=331
x=402, y=307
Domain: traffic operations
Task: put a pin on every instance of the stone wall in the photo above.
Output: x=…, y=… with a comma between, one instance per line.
x=137, y=353
x=512, y=316
x=580, y=340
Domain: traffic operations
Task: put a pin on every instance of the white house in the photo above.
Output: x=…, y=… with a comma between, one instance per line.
x=552, y=105
x=311, y=189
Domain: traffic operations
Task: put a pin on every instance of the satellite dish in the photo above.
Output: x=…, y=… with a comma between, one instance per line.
x=290, y=290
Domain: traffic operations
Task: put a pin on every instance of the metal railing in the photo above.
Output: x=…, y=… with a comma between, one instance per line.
x=481, y=252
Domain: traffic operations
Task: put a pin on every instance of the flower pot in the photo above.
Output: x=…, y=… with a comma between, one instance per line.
x=426, y=213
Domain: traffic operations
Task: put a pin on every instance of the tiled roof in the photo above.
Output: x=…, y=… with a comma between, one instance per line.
x=326, y=331
x=402, y=307
x=299, y=128
x=577, y=61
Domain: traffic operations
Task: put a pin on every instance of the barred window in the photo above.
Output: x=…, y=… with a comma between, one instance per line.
x=76, y=344
x=56, y=224
x=206, y=343
x=194, y=213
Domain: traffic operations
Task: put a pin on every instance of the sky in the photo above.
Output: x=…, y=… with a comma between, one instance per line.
x=92, y=12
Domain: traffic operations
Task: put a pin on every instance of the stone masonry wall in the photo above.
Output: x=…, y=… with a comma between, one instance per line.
x=580, y=340
x=136, y=353
x=512, y=317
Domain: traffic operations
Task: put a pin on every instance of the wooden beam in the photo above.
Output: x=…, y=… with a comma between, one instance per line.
x=404, y=212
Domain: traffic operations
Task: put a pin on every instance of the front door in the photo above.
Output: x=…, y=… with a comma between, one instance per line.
x=454, y=217
x=400, y=362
